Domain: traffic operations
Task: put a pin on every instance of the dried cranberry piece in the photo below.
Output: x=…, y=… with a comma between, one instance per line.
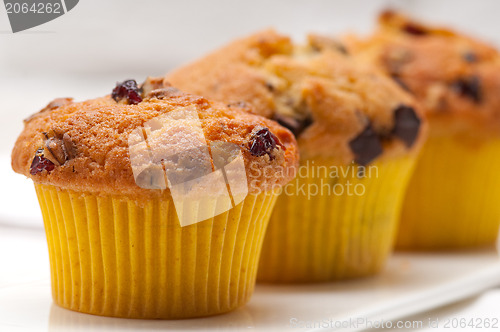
x=127, y=89
x=40, y=163
x=366, y=146
x=468, y=87
x=296, y=126
x=264, y=142
x=407, y=124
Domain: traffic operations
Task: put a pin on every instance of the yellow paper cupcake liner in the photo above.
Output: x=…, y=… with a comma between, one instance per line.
x=453, y=197
x=111, y=256
x=334, y=236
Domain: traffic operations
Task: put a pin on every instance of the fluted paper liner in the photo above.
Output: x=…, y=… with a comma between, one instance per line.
x=112, y=256
x=332, y=237
x=453, y=199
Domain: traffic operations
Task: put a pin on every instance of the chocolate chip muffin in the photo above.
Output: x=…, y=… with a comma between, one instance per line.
x=150, y=202
x=452, y=198
x=358, y=132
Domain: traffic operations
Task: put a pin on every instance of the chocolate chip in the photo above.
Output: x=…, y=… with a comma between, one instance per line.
x=40, y=163
x=470, y=57
x=296, y=126
x=128, y=90
x=366, y=146
x=414, y=29
x=468, y=87
x=264, y=142
x=407, y=124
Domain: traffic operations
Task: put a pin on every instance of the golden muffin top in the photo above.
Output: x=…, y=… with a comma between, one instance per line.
x=340, y=109
x=454, y=76
x=93, y=146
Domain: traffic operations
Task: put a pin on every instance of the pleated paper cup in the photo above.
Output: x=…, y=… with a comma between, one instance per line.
x=331, y=235
x=453, y=198
x=113, y=256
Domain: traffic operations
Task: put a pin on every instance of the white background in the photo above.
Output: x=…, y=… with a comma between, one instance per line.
x=83, y=53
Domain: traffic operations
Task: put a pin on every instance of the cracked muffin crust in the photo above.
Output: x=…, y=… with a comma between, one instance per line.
x=340, y=109
x=83, y=146
x=454, y=76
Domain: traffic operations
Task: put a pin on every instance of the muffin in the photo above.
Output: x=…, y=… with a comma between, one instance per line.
x=452, y=199
x=358, y=134
x=149, y=203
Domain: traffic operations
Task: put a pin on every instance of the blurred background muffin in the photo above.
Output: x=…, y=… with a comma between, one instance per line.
x=150, y=202
x=358, y=132
x=452, y=199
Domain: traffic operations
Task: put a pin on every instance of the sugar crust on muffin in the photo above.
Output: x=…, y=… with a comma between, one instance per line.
x=83, y=146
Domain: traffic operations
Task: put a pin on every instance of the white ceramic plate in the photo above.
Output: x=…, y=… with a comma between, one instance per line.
x=411, y=283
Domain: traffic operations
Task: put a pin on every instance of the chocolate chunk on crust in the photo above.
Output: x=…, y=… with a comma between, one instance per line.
x=366, y=146
x=407, y=124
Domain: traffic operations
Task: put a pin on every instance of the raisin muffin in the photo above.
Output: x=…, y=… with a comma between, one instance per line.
x=127, y=241
x=452, y=199
x=358, y=134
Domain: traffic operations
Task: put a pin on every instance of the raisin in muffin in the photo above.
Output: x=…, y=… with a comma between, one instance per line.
x=150, y=205
x=358, y=132
x=452, y=198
